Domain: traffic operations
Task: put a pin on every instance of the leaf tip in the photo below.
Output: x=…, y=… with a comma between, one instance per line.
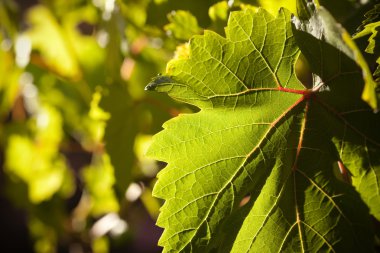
x=157, y=81
x=151, y=86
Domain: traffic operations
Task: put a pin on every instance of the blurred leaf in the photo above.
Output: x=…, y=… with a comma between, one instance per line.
x=79, y=27
x=45, y=236
x=182, y=25
x=99, y=179
x=147, y=62
x=99, y=118
x=218, y=11
x=151, y=204
x=9, y=81
x=135, y=11
x=219, y=14
x=55, y=49
x=100, y=245
x=157, y=12
x=72, y=100
x=120, y=133
x=8, y=18
x=42, y=168
x=273, y=5
x=148, y=166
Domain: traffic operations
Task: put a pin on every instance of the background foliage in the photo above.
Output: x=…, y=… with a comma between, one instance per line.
x=75, y=120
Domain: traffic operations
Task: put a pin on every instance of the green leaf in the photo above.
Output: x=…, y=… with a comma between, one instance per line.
x=120, y=133
x=9, y=82
x=219, y=13
x=55, y=51
x=377, y=71
x=333, y=42
x=99, y=179
x=370, y=29
x=370, y=26
x=370, y=17
x=42, y=168
x=262, y=135
x=182, y=25
x=369, y=92
x=273, y=5
x=157, y=11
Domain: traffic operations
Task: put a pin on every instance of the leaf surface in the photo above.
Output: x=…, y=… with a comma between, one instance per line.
x=261, y=136
x=322, y=40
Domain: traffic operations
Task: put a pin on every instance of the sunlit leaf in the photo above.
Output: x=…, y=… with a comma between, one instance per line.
x=9, y=81
x=157, y=11
x=99, y=179
x=41, y=167
x=99, y=118
x=370, y=29
x=182, y=25
x=55, y=50
x=273, y=5
x=253, y=170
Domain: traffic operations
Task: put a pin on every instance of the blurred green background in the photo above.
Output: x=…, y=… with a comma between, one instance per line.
x=75, y=120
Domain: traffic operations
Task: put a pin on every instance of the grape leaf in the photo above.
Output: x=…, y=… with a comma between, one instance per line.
x=335, y=76
x=262, y=136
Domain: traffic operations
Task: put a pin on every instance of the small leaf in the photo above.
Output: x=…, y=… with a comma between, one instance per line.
x=370, y=17
x=370, y=29
x=55, y=50
x=41, y=168
x=182, y=25
x=100, y=179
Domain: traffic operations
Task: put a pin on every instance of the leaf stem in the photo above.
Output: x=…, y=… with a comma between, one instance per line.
x=302, y=92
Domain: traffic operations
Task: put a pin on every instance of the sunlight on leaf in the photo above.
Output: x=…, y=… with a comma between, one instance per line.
x=259, y=133
x=99, y=179
x=41, y=168
x=182, y=25
x=56, y=50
